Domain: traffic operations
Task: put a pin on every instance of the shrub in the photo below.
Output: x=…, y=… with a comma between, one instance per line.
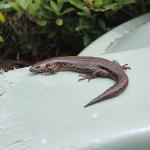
x=42, y=28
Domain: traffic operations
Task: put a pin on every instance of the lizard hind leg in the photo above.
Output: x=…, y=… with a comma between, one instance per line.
x=89, y=76
x=94, y=74
x=124, y=67
x=85, y=76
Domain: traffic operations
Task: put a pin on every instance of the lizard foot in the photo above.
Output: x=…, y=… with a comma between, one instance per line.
x=125, y=67
x=85, y=76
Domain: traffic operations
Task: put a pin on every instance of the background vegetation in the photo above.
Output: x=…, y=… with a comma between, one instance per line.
x=31, y=30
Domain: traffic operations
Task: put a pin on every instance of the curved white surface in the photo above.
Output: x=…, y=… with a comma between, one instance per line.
x=39, y=112
x=133, y=34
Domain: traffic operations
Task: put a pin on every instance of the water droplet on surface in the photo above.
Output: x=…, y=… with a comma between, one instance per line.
x=95, y=115
x=44, y=141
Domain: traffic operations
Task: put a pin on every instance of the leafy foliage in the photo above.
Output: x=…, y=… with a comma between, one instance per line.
x=43, y=28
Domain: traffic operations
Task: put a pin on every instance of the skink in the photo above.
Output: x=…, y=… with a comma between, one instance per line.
x=91, y=67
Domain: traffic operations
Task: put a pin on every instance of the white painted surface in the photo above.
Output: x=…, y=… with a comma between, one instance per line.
x=46, y=112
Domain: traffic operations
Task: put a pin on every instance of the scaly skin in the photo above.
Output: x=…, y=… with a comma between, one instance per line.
x=92, y=67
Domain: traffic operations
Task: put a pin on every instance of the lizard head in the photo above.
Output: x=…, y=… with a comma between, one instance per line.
x=43, y=67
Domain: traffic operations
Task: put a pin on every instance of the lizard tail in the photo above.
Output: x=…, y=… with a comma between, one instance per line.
x=113, y=91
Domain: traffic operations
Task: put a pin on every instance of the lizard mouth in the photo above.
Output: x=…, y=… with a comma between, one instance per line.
x=35, y=69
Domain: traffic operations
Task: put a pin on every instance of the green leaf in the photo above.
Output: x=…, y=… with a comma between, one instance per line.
x=60, y=4
x=49, y=8
x=83, y=24
x=62, y=1
x=4, y=5
x=66, y=11
x=1, y=39
x=59, y=22
x=17, y=8
x=86, y=39
x=41, y=22
x=113, y=6
x=81, y=13
x=24, y=4
x=89, y=2
x=54, y=6
x=101, y=3
x=125, y=2
x=34, y=7
x=80, y=5
x=102, y=24
x=98, y=3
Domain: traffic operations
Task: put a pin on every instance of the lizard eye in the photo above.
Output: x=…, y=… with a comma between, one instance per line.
x=47, y=65
x=37, y=67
